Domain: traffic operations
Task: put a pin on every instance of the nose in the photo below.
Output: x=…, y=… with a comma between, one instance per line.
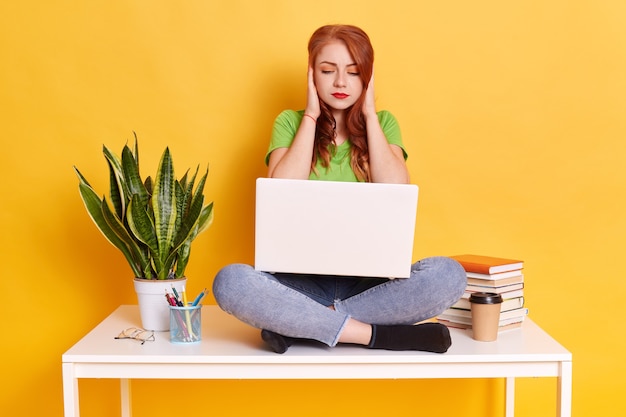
x=340, y=79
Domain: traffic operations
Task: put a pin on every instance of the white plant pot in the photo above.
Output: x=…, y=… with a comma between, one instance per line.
x=153, y=307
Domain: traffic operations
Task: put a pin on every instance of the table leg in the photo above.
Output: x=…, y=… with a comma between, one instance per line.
x=509, y=399
x=70, y=391
x=564, y=387
x=127, y=410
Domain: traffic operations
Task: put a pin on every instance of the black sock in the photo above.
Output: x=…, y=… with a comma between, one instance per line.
x=277, y=342
x=431, y=337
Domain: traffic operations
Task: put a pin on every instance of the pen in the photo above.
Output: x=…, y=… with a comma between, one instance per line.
x=170, y=300
x=179, y=320
x=189, y=328
x=177, y=297
x=199, y=298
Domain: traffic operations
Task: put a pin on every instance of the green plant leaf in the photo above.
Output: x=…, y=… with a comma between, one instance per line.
x=117, y=190
x=164, y=207
x=184, y=251
x=188, y=191
x=81, y=178
x=136, y=153
x=205, y=220
x=94, y=205
x=182, y=259
x=196, y=218
x=139, y=253
x=131, y=176
x=142, y=227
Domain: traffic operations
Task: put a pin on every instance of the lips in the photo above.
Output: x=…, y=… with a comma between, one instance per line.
x=340, y=95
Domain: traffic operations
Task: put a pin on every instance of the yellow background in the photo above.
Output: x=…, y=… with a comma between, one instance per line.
x=512, y=113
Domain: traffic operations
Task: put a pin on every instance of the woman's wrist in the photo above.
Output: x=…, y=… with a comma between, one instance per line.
x=370, y=115
x=310, y=116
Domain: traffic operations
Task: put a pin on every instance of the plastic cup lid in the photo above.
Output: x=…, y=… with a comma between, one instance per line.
x=485, y=298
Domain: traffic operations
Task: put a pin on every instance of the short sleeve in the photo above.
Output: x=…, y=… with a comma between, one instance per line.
x=284, y=130
x=391, y=129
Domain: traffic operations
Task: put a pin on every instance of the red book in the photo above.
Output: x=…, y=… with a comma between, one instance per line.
x=487, y=264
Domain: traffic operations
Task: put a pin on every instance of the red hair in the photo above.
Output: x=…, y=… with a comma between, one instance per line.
x=362, y=52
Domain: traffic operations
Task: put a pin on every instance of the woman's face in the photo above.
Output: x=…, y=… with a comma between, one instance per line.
x=336, y=76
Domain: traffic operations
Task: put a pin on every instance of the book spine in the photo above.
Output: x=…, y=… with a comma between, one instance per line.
x=495, y=282
x=507, y=304
x=488, y=288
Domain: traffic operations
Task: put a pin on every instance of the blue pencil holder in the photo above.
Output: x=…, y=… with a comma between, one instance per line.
x=186, y=324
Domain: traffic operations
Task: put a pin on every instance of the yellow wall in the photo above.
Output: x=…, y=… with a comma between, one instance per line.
x=512, y=112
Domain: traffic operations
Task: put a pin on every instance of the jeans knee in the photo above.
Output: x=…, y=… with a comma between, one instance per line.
x=227, y=283
x=457, y=277
x=450, y=275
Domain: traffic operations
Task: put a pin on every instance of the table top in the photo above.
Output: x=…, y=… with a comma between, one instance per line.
x=227, y=340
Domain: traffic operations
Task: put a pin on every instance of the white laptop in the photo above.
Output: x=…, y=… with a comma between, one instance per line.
x=335, y=228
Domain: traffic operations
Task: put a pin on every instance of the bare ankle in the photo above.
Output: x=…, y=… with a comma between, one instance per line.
x=356, y=332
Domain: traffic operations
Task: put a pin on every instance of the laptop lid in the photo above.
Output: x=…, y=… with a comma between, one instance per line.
x=335, y=228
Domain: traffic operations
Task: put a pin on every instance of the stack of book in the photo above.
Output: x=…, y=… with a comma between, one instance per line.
x=495, y=275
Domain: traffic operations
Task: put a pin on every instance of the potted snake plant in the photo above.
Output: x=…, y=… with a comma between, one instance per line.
x=152, y=222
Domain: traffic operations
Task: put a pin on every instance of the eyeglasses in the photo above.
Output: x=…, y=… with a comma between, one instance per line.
x=137, y=334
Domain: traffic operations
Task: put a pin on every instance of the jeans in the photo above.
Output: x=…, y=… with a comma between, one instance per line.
x=296, y=305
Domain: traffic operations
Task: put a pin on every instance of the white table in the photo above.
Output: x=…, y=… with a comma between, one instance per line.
x=233, y=350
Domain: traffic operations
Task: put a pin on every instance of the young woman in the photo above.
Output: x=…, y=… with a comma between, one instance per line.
x=340, y=136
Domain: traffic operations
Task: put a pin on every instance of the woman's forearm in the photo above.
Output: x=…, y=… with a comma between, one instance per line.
x=294, y=162
x=386, y=161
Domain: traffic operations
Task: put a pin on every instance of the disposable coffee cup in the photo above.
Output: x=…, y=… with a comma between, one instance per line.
x=485, y=315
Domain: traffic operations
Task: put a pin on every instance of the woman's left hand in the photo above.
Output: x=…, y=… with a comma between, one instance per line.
x=369, y=106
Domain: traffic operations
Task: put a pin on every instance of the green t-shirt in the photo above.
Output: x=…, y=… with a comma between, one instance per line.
x=287, y=123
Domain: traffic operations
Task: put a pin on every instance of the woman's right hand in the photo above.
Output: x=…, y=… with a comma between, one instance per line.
x=295, y=161
x=312, y=99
